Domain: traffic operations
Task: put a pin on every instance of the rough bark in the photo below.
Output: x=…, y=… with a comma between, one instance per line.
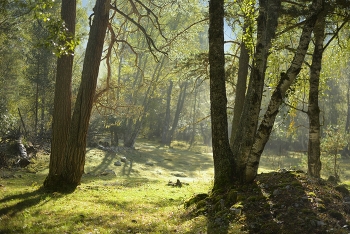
x=266, y=28
x=314, y=147
x=75, y=152
x=62, y=100
x=279, y=93
x=222, y=154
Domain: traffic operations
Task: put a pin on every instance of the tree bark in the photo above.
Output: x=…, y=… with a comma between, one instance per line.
x=266, y=29
x=222, y=154
x=241, y=88
x=278, y=95
x=314, y=147
x=76, y=148
x=62, y=101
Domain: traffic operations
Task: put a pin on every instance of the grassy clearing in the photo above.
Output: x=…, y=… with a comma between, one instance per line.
x=132, y=198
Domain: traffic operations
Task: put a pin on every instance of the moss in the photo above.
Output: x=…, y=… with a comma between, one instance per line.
x=255, y=198
x=321, y=207
x=342, y=189
x=231, y=197
x=201, y=204
x=196, y=199
x=335, y=214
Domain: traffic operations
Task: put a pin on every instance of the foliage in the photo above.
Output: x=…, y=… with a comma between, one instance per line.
x=333, y=142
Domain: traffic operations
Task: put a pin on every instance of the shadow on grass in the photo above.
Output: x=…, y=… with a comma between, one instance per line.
x=26, y=200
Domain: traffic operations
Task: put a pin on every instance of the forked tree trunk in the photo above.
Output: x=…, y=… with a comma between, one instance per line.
x=279, y=93
x=314, y=147
x=222, y=154
x=75, y=152
x=244, y=140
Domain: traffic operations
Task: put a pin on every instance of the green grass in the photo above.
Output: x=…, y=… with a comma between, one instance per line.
x=136, y=199
x=132, y=198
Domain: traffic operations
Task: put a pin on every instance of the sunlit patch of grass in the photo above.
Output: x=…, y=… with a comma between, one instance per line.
x=138, y=202
x=149, y=206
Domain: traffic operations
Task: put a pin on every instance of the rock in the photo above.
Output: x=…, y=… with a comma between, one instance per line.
x=179, y=174
x=276, y=192
x=117, y=163
x=149, y=163
x=123, y=159
x=107, y=172
x=236, y=211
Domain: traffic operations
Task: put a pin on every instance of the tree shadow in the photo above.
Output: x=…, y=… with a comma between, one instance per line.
x=26, y=200
x=277, y=202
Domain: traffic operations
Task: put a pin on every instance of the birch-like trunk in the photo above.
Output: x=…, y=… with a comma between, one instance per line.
x=279, y=93
x=267, y=25
x=314, y=147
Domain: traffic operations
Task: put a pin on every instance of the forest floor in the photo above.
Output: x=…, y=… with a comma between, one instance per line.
x=135, y=191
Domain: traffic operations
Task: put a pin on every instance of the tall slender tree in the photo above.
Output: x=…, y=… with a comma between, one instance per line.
x=222, y=154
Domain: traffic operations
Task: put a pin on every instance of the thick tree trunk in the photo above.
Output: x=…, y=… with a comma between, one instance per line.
x=62, y=101
x=267, y=25
x=278, y=95
x=75, y=152
x=314, y=147
x=222, y=154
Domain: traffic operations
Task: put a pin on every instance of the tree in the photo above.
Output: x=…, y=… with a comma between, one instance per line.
x=67, y=167
x=62, y=101
x=314, y=147
x=222, y=154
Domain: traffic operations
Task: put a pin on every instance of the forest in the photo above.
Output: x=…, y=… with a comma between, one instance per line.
x=174, y=116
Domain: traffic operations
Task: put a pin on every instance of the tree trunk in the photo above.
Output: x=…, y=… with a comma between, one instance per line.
x=136, y=128
x=75, y=152
x=241, y=88
x=278, y=95
x=167, y=113
x=62, y=101
x=222, y=154
x=179, y=106
x=267, y=25
x=314, y=148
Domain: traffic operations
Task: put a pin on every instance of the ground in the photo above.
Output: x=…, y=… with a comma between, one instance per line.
x=135, y=191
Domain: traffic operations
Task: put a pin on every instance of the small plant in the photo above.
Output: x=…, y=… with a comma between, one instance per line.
x=332, y=143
